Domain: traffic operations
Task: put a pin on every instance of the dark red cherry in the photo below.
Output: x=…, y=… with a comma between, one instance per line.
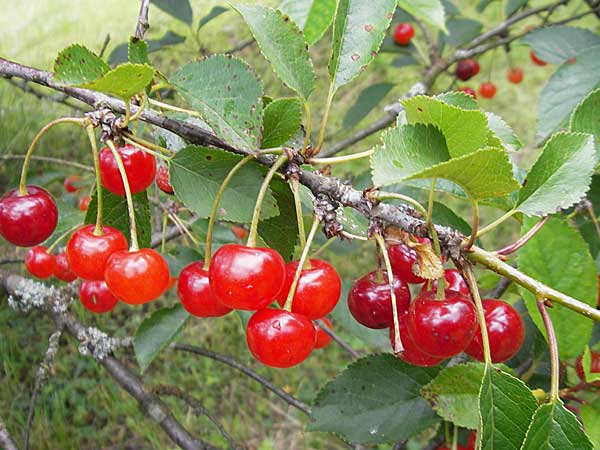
x=506, y=332
x=487, y=89
x=195, y=293
x=27, y=220
x=370, y=302
x=96, y=297
x=442, y=328
x=72, y=184
x=411, y=353
x=89, y=253
x=537, y=61
x=84, y=203
x=403, y=33
x=318, y=289
x=245, y=277
x=323, y=339
x=454, y=282
x=140, y=168
x=279, y=338
x=403, y=258
x=467, y=69
x=594, y=368
x=162, y=180
x=515, y=75
x=39, y=262
x=63, y=270
x=137, y=277
x=467, y=90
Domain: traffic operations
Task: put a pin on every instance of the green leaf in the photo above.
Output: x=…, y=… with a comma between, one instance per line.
x=503, y=131
x=461, y=31
x=282, y=43
x=465, y=130
x=283, y=118
x=137, y=51
x=559, y=257
x=555, y=427
x=430, y=11
x=180, y=9
x=514, y=5
x=156, y=332
x=76, y=65
x=561, y=175
x=506, y=406
x=586, y=363
x=125, y=81
x=483, y=4
x=313, y=17
x=358, y=31
x=366, y=101
x=454, y=394
x=215, y=12
x=458, y=98
x=115, y=214
x=442, y=215
x=228, y=95
x=375, y=400
x=120, y=52
x=560, y=43
x=590, y=415
x=196, y=173
x=585, y=117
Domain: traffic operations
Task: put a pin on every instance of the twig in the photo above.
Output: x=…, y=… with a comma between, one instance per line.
x=142, y=23
x=240, y=46
x=6, y=441
x=509, y=249
x=500, y=288
x=104, y=45
x=338, y=340
x=62, y=162
x=10, y=261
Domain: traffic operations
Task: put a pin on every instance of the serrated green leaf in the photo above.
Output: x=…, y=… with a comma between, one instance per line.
x=119, y=53
x=560, y=43
x=358, y=32
x=430, y=11
x=215, y=12
x=283, y=44
x=590, y=415
x=137, y=51
x=366, y=101
x=228, y=95
x=180, y=9
x=375, y=400
x=196, y=173
x=503, y=131
x=585, y=117
x=282, y=119
x=125, y=81
x=156, y=332
x=555, y=427
x=514, y=5
x=561, y=175
x=459, y=99
x=506, y=406
x=76, y=65
x=559, y=257
x=314, y=17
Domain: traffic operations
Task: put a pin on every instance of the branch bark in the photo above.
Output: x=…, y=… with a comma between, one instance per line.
x=142, y=23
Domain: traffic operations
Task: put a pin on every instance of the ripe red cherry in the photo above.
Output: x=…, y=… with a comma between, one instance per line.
x=89, y=253
x=39, y=262
x=96, y=297
x=137, y=277
x=594, y=368
x=140, y=168
x=246, y=278
x=442, y=328
x=323, y=339
x=62, y=270
x=84, y=203
x=537, y=61
x=472, y=440
x=411, y=353
x=454, y=282
x=318, y=289
x=279, y=338
x=403, y=258
x=487, y=89
x=71, y=183
x=27, y=220
x=162, y=180
x=195, y=294
x=467, y=69
x=467, y=90
x=403, y=33
x=370, y=302
x=506, y=332
x=515, y=75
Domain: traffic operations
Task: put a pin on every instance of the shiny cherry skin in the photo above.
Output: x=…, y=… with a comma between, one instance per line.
x=595, y=367
x=39, y=262
x=279, y=338
x=467, y=69
x=411, y=352
x=403, y=258
x=27, y=220
x=454, y=282
x=245, y=277
x=472, y=440
x=96, y=297
x=71, y=183
x=515, y=75
x=89, y=253
x=317, y=292
x=442, y=328
x=370, y=302
x=84, y=203
x=487, y=89
x=467, y=90
x=137, y=277
x=195, y=293
x=403, y=33
x=323, y=339
x=140, y=168
x=63, y=270
x=162, y=180
x=506, y=332
x=537, y=61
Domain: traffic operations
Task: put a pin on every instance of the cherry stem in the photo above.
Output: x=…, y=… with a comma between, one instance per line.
x=141, y=108
x=398, y=346
x=325, y=118
x=341, y=159
x=301, y=262
x=168, y=107
x=553, y=347
x=455, y=438
x=45, y=128
x=215, y=208
x=509, y=249
x=299, y=217
x=147, y=150
x=475, y=225
x=148, y=144
x=308, y=129
x=98, y=231
x=132, y=226
x=259, y=200
x=62, y=236
x=485, y=341
x=496, y=222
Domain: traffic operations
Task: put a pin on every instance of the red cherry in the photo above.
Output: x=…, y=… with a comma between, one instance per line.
x=96, y=296
x=195, y=294
x=240, y=232
x=487, y=89
x=27, y=220
x=89, y=253
x=279, y=338
x=537, y=61
x=411, y=353
x=323, y=339
x=472, y=440
x=39, y=262
x=403, y=33
x=442, y=328
x=467, y=90
x=72, y=183
x=137, y=277
x=370, y=302
x=318, y=289
x=515, y=75
x=84, y=203
x=140, y=168
x=246, y=278
x=467, y=69
x=403, y=258
x=162, y=180
x=594, y=368
x=62, y=270
x=454, y=282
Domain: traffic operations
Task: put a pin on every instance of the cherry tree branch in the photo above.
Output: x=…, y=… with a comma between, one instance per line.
x=142, y=23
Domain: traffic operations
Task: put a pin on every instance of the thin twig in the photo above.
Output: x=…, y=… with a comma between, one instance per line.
x=338, y=340
x=500, y=288
x=509, y=249
x=142, y=23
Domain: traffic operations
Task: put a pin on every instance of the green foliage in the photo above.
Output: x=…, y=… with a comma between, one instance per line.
x=125, y=81
x=314, y=17
x=137, y=51
x=513, y=5
x=430, y=11
x=586, y=363
x=366, y=101
x=215, y=12
x=503, y=131
x=77, y=65
x=585, y=117
x=120, y=52
x=282, y=119
x=590, y=415
x=461, y=31
x=180, y=9
x=558, y=44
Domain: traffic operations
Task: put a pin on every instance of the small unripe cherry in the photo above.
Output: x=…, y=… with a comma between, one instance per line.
x=39, y=262
x=403, y=33
x=515, y=75
x=487, y=89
